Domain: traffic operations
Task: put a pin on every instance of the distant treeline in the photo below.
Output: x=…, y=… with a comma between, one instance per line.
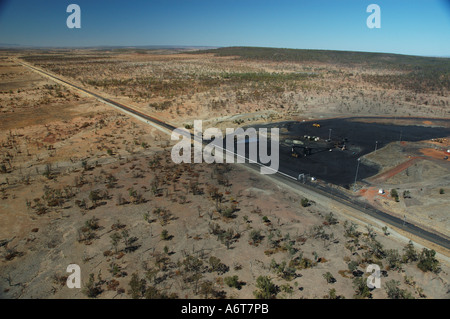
x=388, y=60
x=422, y=73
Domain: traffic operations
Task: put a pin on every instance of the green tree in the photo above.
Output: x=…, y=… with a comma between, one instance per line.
x=394, y=194
x=427, y=262
x=234, y=282
x=410, y=254
x=266, y=288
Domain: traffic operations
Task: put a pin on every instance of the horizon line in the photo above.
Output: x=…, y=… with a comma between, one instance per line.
x=156, y=46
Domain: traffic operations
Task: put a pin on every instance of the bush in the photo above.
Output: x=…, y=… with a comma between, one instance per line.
x=361, y=288
x=394, y=194
x=165, y=235
x=427, y=262
x=353, y=266
x=233, y=282
x=305, y=202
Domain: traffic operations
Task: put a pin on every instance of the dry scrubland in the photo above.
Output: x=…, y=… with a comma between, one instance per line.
x=82, y=183
x=268, y=83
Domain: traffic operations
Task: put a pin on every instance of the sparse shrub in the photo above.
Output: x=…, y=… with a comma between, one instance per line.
x=352, y=266
x=92, y=224
x=301, y=262
x=255, y=237
x=329, y=277
x=115, y=238
x=305, y=202
x=394, y=292
x=48, y=171
x=332, y=295
x=92, y=288
x=361, y=288
x=284, y=270
x=137, y=287
x=330, y=219
x=394, y=259
x=97, y=195
x=350, y=230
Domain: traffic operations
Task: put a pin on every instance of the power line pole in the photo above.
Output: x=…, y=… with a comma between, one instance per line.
x=356, y=175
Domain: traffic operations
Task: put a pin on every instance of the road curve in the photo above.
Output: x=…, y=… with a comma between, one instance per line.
x=340, y=197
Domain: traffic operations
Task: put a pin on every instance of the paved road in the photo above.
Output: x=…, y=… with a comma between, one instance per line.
x=340, y=197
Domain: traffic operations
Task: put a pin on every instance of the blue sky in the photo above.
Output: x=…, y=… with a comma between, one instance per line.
x=418, y=27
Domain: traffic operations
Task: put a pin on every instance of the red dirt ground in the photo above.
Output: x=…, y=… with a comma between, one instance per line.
x=431, y=152
x=371, y=192
x=394, y=171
